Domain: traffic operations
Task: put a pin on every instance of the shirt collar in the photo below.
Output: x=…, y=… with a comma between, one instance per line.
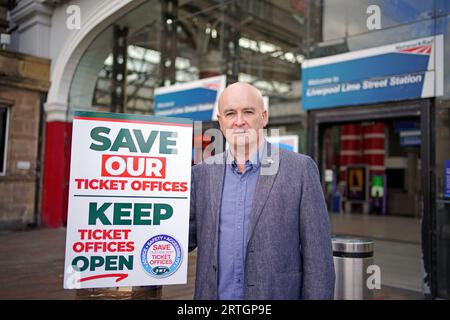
x=254, y=162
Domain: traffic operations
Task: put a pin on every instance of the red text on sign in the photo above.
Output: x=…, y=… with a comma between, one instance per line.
x=100, y=184
x=103, y=246
x=162, y=247
x=133, y=166
x=101, y=234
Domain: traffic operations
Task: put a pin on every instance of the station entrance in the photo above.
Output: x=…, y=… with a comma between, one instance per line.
x=372, y=167
x=373, y=159
x=374, y=163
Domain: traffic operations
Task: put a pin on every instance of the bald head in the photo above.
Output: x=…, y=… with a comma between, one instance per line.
x=238, y=93
x=242, y=116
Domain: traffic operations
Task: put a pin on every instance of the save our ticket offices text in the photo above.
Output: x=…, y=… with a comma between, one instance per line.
x=123, y=172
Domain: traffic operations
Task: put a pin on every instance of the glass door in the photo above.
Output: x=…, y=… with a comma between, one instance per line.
x=443, y=200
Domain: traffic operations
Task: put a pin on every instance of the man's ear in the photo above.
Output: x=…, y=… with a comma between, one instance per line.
x=265, y=116
x=219, y=119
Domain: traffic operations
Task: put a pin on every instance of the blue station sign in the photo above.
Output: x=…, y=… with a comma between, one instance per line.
x=407, y=70
x=196, y=100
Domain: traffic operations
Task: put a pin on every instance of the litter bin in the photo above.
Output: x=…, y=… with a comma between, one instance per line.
x=351, y=257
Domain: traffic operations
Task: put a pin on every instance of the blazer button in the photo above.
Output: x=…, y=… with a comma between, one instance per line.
x=214, y=268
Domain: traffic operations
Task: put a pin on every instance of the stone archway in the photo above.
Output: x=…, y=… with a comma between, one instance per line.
x=96, y=16
x=65, y=62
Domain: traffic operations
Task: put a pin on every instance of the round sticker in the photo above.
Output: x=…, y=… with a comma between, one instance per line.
x=161, y=256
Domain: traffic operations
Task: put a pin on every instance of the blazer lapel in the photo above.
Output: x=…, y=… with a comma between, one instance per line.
x=263, y=187
x=216, y=177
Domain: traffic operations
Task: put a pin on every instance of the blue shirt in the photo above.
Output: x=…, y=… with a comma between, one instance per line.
x=237, y=199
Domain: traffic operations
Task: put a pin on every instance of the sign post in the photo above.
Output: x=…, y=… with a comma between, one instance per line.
x=129, y=199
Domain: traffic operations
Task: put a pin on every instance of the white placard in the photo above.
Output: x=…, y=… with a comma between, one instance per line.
x=129, y=196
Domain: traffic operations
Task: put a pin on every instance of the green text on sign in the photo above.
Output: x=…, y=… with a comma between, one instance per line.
x=124, y=139
x=125, y=214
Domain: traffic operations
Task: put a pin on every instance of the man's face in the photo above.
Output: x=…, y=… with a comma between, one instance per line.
x=241, y=117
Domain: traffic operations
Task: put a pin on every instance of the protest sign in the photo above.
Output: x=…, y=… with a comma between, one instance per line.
x=129, y=198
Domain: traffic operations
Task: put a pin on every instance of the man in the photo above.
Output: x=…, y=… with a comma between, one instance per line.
x=260, y=233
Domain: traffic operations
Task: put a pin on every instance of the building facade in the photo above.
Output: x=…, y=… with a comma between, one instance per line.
x=110, y=55
x=377, y=90
x=24, y=82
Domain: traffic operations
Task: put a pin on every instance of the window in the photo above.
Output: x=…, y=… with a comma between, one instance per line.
x=3, y=132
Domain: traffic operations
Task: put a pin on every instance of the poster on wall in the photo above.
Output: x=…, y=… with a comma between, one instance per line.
x=377, y=190
x=129, y=195
x=356, y=183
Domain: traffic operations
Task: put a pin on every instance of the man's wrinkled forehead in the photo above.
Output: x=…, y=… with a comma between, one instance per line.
x=240, y=95
x=242, y=107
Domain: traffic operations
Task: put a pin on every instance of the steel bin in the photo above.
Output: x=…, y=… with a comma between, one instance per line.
x=352, y=256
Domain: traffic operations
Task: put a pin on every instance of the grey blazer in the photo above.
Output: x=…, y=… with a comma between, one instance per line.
x=288, y=253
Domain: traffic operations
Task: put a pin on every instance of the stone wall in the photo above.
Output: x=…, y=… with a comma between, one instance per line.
x=23, y=81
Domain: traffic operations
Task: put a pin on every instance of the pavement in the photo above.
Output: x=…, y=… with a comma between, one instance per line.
x=32, y=265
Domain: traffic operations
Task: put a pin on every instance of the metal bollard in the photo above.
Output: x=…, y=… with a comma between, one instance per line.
x=351, y=257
